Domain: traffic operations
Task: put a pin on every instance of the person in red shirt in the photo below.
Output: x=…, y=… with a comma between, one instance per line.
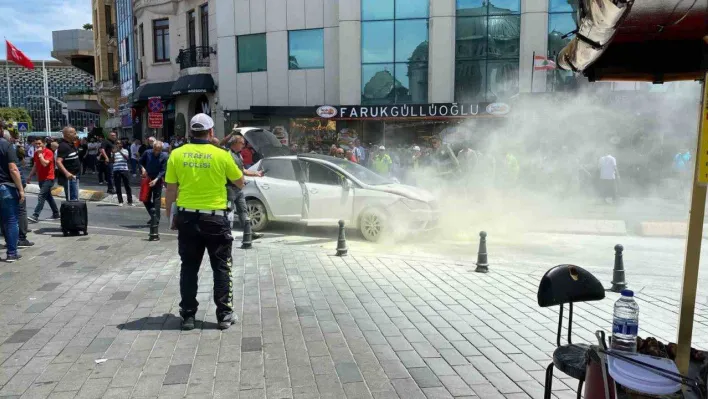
x=44, y=169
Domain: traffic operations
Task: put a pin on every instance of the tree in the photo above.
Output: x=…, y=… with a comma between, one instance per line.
x=88, y=26
x=16, y=115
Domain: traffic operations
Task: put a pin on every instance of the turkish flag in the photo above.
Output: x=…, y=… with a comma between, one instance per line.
x=17, y=56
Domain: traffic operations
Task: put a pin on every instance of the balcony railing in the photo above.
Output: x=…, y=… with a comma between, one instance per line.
x=192, y=57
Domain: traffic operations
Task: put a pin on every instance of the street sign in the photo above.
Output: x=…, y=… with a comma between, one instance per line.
x=23, y=127
x=155, y=104
x=155, y=120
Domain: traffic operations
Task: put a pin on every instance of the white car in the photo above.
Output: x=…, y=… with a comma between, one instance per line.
x=319, y=190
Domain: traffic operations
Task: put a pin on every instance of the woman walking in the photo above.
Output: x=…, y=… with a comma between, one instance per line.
x=121, y=173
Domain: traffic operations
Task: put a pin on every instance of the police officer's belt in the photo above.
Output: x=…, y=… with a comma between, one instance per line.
x=212, y=212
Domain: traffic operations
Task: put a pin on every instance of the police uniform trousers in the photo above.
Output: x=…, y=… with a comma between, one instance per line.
x=210, y=231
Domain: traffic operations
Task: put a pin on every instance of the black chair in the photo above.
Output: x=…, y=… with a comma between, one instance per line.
x=560, y=285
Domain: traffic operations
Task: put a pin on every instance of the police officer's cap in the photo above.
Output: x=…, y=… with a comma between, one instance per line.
x=201, y=123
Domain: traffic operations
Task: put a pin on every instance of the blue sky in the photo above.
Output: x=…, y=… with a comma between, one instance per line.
x=28, y=24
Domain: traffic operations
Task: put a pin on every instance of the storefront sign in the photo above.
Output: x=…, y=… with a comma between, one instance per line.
x=155, y=120
x=430, y=111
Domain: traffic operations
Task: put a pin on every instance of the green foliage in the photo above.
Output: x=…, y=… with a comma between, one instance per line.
x=16, y=115
x=88, y=26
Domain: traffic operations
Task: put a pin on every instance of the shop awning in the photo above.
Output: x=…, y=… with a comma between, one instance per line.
x=188, y=84
x=651, y=40
x=162, y=90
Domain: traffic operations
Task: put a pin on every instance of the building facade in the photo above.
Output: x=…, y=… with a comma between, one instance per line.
x=106, y=61
x=175, y=63
x=125, y=30
x=27, y=90
x=276, y=55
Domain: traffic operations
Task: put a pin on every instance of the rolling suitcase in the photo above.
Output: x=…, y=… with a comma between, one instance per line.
x=74, y=217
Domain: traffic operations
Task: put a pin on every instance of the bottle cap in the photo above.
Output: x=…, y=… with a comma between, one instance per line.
x=628, y=293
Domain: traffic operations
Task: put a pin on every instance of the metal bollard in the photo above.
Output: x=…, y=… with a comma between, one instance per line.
x=154, y=226
x=482, y=263
x=342, y=249
x=247, y=241
x=618, y=283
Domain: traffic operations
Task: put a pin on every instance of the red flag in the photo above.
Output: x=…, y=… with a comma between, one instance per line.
x=17, y=56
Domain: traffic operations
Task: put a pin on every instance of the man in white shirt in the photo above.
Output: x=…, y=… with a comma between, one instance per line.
x=608, y=177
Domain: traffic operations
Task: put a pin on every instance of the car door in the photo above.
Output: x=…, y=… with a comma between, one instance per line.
x=327, y=198
x=281, y=189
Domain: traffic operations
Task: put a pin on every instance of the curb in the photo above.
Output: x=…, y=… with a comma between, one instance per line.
x=86, y=195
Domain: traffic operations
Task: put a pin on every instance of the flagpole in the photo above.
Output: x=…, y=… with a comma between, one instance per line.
x=47, y=115
x=533, y=66
x=7, y=78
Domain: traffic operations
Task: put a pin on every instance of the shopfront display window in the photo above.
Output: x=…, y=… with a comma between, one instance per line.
x=313, y=134
x=394, y=51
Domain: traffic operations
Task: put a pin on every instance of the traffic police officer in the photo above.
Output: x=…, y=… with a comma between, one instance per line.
x=195, y=179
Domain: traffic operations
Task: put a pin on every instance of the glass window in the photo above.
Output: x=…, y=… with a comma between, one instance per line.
x=413, y=78
x=320, y=174
x=504, y=34
x=410, y=36
x=377, y=41
x=412, y=9
x=501, y=7
x=562, y=5
x=306, y=49
x=278, y=169
x=191, y=28
x=142, y=40
x=470, y=81
x=471, y=38
x=161, y=39
x=558, y=26
x=502, y=79
x=205, y=24
x=376, y=9
x=252, y=53
x=377, y=84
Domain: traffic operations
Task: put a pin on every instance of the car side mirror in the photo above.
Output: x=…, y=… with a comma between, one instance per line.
x=347, y=184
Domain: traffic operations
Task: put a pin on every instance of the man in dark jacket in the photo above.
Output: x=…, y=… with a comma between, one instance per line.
x=154, y=165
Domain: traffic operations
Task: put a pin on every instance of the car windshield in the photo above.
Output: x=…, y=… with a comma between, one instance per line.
x=361, y=173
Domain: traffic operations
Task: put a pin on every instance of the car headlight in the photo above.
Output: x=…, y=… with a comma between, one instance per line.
x=414, y=205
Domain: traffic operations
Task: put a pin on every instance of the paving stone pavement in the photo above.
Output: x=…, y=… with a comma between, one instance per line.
x=84, y=322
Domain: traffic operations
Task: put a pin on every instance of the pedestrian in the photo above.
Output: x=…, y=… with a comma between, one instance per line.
x=153, y=165
x=23, y=224
x=93, y=147
x=121, y=173
x=83, y=151
x=195, y=179
x=11, y=196
x=294, y=150
x=107, y=160
x=359, y=152
x=235, y=195
x=382, y=162
x=134, y=157
x=101, y=167
x=608, y=177
x=339, y=153
x=68, y=164
x=45, y=171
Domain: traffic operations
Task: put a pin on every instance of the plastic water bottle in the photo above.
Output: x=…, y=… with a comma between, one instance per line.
x=625, y=323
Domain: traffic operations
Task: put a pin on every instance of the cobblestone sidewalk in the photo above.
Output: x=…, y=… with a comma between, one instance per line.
x=95, y=317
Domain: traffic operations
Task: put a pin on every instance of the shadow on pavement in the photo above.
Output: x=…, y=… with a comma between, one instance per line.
x=47, y=231
x=159, y=323
x=166, y=322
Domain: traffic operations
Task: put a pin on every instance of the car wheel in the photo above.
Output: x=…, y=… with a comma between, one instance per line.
x=372, y=224
x=257, y=215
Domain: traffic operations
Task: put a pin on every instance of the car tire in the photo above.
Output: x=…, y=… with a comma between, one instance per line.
x=373, y=224
x=257, y=214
